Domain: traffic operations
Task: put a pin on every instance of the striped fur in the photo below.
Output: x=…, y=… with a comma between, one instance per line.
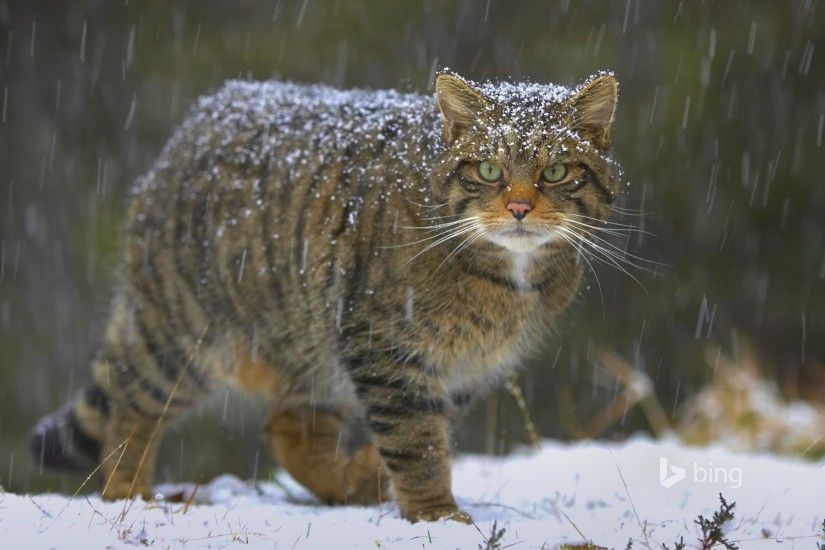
x=282, y=243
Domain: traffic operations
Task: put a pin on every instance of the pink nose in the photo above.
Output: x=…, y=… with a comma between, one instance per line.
x=519, y=209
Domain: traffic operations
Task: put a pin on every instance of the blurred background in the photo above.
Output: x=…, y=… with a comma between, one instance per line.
x=719, y=129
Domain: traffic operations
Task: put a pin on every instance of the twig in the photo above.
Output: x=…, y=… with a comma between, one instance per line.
x=515, y=390
x=638, y=389
x=192, y=496
x=44, y=512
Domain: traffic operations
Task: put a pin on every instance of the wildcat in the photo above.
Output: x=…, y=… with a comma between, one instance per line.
x=351, y=256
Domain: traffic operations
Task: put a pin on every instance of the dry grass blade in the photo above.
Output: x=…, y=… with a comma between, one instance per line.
x=117, y=463
x=85, y=481
x=191, y=498
x=529, y=427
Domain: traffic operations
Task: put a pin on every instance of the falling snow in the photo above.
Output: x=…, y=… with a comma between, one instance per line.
x=720, y=127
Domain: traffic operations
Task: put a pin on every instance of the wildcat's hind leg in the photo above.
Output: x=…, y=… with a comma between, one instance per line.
x=149, y=380
x=313, y=443
x=310, y=443
x=130, y=446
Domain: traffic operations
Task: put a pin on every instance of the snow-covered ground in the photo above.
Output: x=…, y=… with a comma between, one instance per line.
x=603, y=492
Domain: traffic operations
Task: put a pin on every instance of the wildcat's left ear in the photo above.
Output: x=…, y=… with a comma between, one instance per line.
x=594, y=106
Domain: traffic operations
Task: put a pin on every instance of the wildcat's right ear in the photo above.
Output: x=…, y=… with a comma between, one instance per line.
x=461, y=105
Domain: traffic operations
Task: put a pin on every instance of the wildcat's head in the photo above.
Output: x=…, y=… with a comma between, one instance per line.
x=526, y=164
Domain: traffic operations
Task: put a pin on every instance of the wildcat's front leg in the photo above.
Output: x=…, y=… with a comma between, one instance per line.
x=417, y=457
x=410, y=428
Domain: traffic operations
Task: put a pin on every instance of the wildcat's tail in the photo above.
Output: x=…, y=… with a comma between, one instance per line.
x=70, y=438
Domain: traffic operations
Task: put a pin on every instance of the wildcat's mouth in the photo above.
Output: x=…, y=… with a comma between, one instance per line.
x=520, y=231
x=520, y=238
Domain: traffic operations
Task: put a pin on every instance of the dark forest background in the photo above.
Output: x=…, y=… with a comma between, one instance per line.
x=719, y=129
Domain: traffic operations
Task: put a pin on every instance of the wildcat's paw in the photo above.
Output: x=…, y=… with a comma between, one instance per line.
x=446, y=512
x=364, y=483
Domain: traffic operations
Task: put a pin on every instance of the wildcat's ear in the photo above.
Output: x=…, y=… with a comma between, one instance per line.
x=461, y=105
x=594, y=106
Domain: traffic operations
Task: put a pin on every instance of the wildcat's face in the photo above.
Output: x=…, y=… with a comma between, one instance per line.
x=525, y=165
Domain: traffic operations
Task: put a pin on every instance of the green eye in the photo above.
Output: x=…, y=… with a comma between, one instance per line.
x=555, y=172
x=489, y=170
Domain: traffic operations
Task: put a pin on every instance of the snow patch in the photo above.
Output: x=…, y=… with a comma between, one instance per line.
x=609, y=492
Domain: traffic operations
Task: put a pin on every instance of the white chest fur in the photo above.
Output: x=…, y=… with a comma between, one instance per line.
x=520, y=268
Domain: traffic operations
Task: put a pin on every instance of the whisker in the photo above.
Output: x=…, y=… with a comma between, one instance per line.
x=625, y=253
x=458, y=227
x=583, y=255
x=607, y=256
x=611, y=262
x=599, y=220
x=444, y=239
x=426, y=206
x=443, y=217
x=461, y=246
x=628, y=211
x=611, y=230
x=615, y=256
x=621, y=251
x=616, y=231
x=438, y=225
